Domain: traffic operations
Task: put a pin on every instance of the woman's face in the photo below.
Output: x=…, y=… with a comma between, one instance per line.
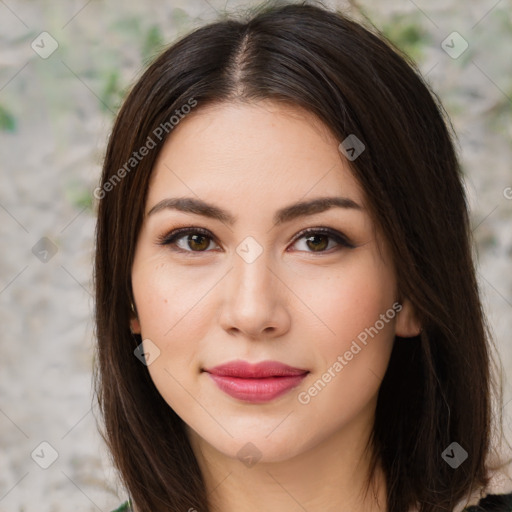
x=246, y=284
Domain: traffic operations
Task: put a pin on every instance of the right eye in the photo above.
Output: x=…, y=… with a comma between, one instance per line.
x=196, y=239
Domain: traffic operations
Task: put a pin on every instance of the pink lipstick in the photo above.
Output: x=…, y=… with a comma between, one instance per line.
x=256, y=383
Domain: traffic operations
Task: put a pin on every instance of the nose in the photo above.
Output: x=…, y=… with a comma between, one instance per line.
x=255, y=300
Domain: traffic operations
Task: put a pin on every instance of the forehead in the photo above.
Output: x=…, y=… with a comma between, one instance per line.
x=251, y=155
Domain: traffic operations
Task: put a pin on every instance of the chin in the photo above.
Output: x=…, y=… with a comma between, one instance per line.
x=260, y=447
x=250, y=452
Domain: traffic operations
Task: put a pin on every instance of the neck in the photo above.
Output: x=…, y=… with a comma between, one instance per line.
x=331, y=476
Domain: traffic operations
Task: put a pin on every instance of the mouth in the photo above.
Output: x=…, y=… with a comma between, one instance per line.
x=256, y=383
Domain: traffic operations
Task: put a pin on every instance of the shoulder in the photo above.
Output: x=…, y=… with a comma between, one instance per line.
x=125, y=507
x=493, y=503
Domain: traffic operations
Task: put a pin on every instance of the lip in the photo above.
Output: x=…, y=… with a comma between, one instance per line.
x=256, y=383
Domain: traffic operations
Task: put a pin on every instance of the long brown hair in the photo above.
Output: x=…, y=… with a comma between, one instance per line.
x=438, y=388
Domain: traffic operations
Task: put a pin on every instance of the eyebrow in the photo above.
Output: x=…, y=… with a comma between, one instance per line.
x=286, y=214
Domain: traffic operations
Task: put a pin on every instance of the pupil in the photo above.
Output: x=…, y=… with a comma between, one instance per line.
x=194, y=241
x=316, y=245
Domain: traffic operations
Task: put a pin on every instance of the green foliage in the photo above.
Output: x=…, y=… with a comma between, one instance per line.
x=152, y=43
x=180, y=18
x=129, y=25
x=78, y=195
x=112, y=92
x=408, y=34
x=134, y=35
x=7, y=120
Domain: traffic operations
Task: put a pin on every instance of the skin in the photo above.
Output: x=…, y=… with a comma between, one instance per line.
x=297, y=303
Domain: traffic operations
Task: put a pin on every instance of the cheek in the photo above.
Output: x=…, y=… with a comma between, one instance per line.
x=355, y=305
x=171, y=302
x=173, y=316
x=176, y=312
x=350, y=299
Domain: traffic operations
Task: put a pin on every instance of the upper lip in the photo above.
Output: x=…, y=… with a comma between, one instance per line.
x=260, y=370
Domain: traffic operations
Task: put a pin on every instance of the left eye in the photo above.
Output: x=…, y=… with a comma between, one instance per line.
x=199, y=240
x=318, y=239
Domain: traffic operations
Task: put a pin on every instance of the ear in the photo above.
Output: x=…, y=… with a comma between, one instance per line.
x=407, y=324
x=134, y=324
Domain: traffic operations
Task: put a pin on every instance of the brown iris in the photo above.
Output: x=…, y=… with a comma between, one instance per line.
x=199, y=246
x=321, y=245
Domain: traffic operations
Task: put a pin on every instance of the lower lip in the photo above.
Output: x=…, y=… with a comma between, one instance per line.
x=257, y=390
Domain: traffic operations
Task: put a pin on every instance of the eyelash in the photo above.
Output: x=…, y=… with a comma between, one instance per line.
x=176, y=234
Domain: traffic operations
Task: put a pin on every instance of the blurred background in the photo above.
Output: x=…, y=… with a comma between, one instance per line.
x=64, y=68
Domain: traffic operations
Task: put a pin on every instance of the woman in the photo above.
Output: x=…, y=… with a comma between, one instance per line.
x=283, y=244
